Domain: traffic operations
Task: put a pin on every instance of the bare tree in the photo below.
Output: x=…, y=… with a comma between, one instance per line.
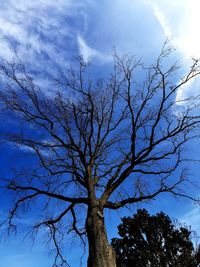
x=100, y=144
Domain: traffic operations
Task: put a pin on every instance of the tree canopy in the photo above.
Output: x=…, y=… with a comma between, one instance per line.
x=96, y=144
x=154, y=241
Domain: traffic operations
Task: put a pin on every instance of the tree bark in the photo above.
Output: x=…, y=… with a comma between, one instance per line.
x=101, y=254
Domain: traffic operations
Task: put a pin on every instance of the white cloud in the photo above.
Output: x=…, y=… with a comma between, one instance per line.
x=25, y=148
x=38, y=29
x=43, y=33
x=162, y=19
x=29, y=149
x=89, y=53
x=188, y=39
x=180, y=20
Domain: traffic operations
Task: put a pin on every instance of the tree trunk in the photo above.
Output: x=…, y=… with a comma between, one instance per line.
x=101, y=254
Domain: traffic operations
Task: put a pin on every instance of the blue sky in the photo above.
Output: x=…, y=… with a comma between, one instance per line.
x=48, y=33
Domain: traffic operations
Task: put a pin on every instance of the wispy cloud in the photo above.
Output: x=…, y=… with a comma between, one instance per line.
x=29, y=149
x=180, y=20
x=38, y=29
x=89, y=53
x=162, y=19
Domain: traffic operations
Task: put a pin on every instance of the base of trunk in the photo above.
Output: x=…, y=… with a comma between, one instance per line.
x=103, y=258
x=101, y=254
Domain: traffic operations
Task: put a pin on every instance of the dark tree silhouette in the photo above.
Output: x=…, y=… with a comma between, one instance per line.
x=154, y=241
x=92, y=139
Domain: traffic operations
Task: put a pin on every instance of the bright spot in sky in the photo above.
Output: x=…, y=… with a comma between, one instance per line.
x=180, y=22
x=189, y=39
x=184, y=28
